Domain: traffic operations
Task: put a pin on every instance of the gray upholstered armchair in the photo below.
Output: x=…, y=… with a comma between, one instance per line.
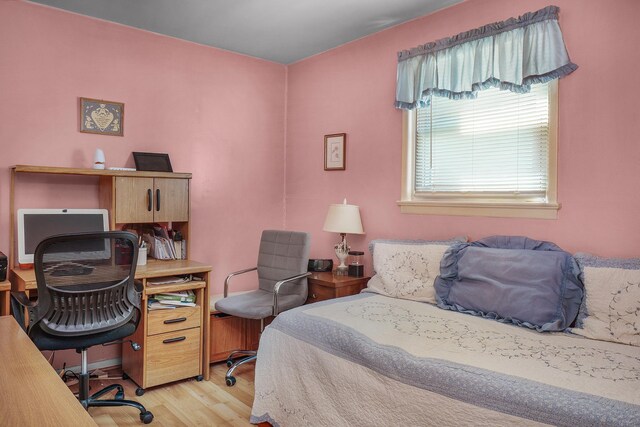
x=283, y=259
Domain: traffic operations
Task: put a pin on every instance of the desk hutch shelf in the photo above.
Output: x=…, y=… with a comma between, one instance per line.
x=175, y=343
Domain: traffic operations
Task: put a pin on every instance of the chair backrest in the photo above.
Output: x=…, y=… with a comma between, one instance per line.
x=283, y=254
x=85, y=283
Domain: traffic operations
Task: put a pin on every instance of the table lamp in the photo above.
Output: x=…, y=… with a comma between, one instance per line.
x=343, y=218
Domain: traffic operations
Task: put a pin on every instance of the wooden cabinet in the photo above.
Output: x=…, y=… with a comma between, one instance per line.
x=325, y=285
x=144, y=200
x=228, y=333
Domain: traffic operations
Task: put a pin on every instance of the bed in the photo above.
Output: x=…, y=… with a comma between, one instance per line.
x=373, y=360
x=399, y=359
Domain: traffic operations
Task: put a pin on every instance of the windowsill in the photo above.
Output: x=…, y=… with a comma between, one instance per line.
x=487, y=209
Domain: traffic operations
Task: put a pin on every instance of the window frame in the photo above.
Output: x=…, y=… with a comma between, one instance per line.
x=412, y=203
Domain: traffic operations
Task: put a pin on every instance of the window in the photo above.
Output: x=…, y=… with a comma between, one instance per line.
x=493, y=156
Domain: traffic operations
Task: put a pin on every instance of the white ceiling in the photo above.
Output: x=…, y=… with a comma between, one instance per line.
x=283, y=31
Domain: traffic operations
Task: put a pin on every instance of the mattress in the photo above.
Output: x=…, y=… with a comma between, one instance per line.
x=373, y=360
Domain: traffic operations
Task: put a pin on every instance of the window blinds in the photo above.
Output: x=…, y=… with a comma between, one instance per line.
x=494, y=146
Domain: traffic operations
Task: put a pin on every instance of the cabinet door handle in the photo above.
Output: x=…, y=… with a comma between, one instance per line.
x=149, y=197
x=313, y=296
x=157, y=200
x=176, y=339
x=178, y=320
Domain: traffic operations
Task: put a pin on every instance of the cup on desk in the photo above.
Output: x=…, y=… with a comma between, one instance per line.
x=142, y=256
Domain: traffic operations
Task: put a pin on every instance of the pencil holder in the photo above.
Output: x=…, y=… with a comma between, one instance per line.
x=142, y=256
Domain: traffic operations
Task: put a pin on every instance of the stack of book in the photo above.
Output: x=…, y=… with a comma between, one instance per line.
x=169, y=300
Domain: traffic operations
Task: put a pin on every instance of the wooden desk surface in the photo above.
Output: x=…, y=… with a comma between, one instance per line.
x=31, y=393
x=26, y=279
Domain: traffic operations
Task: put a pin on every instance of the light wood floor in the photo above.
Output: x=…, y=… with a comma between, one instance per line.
x=186, y=403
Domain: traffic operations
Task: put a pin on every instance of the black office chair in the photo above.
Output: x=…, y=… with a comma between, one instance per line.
x=86, y=296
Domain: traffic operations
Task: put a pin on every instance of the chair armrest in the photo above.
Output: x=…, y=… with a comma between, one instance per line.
x=235, y=273
x=138, y=286
x=21, y=298
x=20, y=301
x=279, y=283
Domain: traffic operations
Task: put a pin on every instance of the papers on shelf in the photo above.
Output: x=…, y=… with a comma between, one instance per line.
x=172, y=300
x=182, y=296
x=177, y=303
x=153, y=304
x=169, y=280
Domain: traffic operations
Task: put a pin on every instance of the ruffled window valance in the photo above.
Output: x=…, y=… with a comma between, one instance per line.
x=511, y=54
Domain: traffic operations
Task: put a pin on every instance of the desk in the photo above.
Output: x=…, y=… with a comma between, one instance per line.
x=156, y=363
x=5, y=288
x=25, y=280
x=30, y=391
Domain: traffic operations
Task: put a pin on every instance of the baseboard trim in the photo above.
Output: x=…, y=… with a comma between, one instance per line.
x=101, y=364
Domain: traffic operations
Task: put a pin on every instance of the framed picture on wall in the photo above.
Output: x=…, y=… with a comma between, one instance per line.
x=335, y=154
x=101, y=117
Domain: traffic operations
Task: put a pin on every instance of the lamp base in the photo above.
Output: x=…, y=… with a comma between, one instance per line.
x=341, y=271
x=342, y=251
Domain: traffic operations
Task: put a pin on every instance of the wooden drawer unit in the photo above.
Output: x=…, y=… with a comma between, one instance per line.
x=324, y=286
x=161, y=321
x=174, y=342
x=173, y=356
x=318, y=292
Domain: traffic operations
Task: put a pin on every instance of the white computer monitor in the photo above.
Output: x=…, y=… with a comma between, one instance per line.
x=34, y=225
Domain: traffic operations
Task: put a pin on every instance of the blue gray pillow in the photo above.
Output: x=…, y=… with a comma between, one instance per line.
x=512, y=279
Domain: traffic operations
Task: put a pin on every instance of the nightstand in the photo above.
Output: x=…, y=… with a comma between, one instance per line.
x=325, y=285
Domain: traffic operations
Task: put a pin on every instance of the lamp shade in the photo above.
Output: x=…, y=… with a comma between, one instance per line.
x=343, y=218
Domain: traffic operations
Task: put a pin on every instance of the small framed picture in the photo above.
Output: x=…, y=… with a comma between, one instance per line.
x=101, y=117
x=153, y=162
x=335, y=153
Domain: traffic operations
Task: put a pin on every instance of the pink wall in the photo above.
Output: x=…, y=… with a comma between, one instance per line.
x=351, y=89
x=193, y=101
x=184, y=99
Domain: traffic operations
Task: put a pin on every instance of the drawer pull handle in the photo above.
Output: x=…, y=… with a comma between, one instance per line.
x=176, y=339
x=178, y=320
x=313, y=296
x=149, y=199
x=158, y=200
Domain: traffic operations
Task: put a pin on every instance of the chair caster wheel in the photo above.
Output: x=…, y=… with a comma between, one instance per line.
x=139, y=391
x=199, y=378
x=229, y=363
x=120, y=395
x=146, y=417
x=230, y=381
x=125, y=376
